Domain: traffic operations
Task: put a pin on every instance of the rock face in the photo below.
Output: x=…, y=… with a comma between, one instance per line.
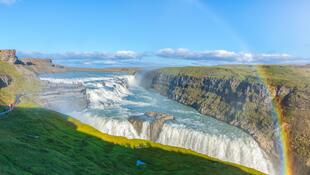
x=5, y=81
x=226, y=100
x=42, y=65
x=244, y=104
x=8, y=56
x=156, y=121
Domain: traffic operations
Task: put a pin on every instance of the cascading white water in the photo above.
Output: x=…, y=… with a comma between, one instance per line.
x=238, y=150
x=114, y=99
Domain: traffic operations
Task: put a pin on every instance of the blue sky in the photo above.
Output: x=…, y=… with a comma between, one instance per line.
x=146, y=32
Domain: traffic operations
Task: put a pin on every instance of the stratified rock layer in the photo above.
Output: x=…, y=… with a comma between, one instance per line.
x=156, y=121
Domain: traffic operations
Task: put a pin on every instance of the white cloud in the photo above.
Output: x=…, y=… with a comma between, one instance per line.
x=7, y=2
x=127, y=54
x=186, y=55
x=107, y=62
x=223, y=55
x=122, y=54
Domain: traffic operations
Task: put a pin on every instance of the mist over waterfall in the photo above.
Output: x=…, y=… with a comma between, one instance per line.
x=114, y=99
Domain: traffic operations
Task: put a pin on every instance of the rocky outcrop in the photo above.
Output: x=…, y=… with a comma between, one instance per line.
x=246, y=104
x=155, y=122
x=5, y=81
x=8, y=56
x=42, y=65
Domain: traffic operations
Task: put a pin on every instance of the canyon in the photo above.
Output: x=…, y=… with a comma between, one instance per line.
x=250, y=98
x=236, y=95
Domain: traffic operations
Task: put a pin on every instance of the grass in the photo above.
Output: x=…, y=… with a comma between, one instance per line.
x=19, y=84
x=38, y=141
x=288, y=75
x=223, y=72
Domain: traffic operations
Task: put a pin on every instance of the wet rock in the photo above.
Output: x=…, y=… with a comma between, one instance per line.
x=154, y=122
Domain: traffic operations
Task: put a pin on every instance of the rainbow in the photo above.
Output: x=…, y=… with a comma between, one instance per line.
x=286, y=167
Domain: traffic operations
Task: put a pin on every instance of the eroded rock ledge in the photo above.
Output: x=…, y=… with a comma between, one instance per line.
x=156, y=121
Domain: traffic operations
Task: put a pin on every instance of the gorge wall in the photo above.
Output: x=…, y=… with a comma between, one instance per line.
x=245, y=102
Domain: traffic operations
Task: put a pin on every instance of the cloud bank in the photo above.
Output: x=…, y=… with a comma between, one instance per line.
x=167, y=56
x=118, y=58
x=223, y=55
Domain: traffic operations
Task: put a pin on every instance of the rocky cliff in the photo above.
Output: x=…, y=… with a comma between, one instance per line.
x=240, y=97
x=42, y=65
x=8, y=56
x=5, y=81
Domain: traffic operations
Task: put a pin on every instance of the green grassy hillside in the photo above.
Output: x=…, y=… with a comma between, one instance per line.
x=287, y=75
x=21, y=82
x=36, y=141
x=39, y=141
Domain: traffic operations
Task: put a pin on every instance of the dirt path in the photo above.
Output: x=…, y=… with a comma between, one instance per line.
x=16, y=102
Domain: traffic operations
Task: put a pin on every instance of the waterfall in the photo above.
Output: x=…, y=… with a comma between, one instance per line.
x=239, y=150
x=113, y=102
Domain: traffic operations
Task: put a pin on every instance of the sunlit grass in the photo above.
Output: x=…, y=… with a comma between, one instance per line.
x=137, y=143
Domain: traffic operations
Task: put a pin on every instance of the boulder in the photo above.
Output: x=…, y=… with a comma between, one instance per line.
x=156, y=121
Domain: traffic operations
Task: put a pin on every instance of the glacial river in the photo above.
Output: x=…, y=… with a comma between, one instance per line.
x=114, y=97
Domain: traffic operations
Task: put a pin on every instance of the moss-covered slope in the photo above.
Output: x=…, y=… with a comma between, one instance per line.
x=38, y=141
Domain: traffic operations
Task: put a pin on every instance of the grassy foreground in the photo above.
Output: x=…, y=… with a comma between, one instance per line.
x=34, y=140
x=39, y=141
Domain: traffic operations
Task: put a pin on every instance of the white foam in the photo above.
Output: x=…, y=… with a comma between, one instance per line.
x=237, y=150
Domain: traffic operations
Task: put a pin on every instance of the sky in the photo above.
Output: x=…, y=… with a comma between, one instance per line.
x=104, y=33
